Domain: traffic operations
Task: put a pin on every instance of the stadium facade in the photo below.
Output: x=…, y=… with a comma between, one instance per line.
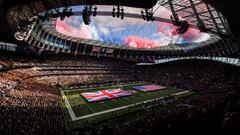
x=30, y=24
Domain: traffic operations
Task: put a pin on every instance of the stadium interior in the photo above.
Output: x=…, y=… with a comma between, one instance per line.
x=120, y=67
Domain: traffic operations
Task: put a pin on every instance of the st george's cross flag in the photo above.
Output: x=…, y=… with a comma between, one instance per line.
x=105, y=94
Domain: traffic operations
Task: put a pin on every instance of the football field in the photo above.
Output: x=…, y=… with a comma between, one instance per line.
x=80, y=112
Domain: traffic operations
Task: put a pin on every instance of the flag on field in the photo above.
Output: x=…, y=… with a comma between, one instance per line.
x=105, y=94
x=147, y=88
x=96, y=49
x=109, y=51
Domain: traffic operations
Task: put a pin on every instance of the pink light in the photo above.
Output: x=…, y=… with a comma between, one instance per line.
x=167, y=29
x=62, y=26
x=81, y=32
x=137, y=42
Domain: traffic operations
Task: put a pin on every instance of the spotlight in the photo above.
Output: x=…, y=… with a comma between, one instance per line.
x=70, y=13
x=64, y=10
x=143, y=16
x=118, y=14
x=183, y=27
x=153, y=19
x=122, y=10
x=86, y=16
x=147, y=15
x=113, y=14
x=62, y=17
x=148, y=18
x=175, y=20
x=95, y=11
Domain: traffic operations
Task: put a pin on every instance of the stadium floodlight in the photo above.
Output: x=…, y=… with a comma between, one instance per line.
x=69, y=13
x=86, y=16
x=122, y=10
x=95, y=11
x=62, y=17
x=202, y=27
x=66, y=12
x=44, y=17
x=113, y=14
x=88, y=11
x=182, y=25
x=118, y=12
x=122, y=17
x=143, y=16
x=147, y=15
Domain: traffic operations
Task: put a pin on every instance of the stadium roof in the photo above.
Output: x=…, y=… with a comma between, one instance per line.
x=132, y=31
x=197, y=13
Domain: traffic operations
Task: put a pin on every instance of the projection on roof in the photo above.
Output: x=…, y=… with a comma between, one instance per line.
x=130, y=32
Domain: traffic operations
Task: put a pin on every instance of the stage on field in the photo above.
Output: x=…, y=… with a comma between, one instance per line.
x=105, y=95
x=148, y=88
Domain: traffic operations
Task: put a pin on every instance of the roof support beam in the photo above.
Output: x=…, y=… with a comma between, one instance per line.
x=200, y=22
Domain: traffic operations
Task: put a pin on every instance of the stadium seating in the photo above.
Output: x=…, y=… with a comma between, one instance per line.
x=32, y=100
x=200, y=75
x=31, y=105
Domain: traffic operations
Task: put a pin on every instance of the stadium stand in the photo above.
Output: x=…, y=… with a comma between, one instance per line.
x=171, y=64
x=33, y=105
x=37, y=95
x=204, y=74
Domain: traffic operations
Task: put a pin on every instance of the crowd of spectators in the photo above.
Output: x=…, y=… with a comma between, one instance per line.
x=32, y=110
x=185, y=115
x=31, y=106
x=6, y=86
x=217, y=104
x=198, y=75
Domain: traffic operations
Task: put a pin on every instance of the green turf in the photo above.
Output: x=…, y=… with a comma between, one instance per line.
x=82, y=107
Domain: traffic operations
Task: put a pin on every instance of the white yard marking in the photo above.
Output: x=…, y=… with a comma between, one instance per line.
x=74, y=118
x=86, y=103
x=70, y=110
x=180, y=93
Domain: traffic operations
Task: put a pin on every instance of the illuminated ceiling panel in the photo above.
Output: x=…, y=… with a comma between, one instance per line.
x=130, y=32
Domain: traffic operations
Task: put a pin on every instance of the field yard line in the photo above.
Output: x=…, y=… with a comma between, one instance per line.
x=125, y=107
x=86, y=103
x=69, y=108
x=180, y=93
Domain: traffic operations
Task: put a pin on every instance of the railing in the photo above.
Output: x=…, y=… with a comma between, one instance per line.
x=8, y=46
x=227, y=60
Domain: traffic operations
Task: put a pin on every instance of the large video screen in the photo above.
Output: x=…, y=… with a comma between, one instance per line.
x=132, y=32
